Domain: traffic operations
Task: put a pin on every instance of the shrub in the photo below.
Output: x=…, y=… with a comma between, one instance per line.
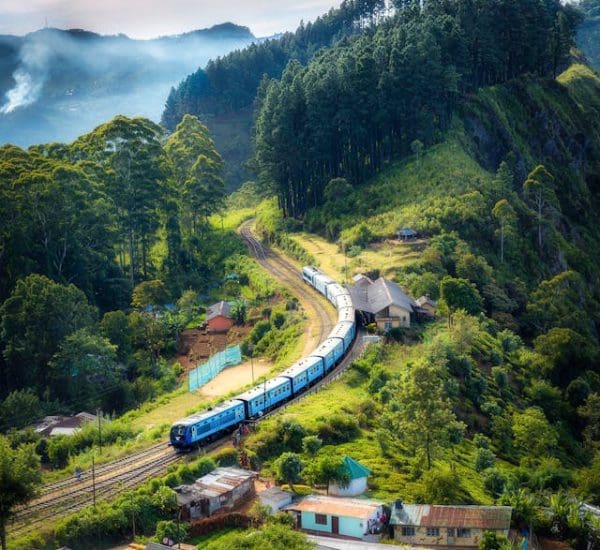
x=484, y=459
x=311, y=444
x=171, y=530
x=278, y=319
x=338, y=428
x=494, y=482
x=481, y=441
x=226, y=457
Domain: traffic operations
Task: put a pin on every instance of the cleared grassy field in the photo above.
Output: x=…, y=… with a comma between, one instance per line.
x=387, y=256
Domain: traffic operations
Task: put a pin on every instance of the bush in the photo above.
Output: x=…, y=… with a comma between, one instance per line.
x=484, y=459
x=481, y=441
x=311, y=444
x=338, y=428
x=278, y=319
x=226, y=457
x=494, y=482
x=171, y=530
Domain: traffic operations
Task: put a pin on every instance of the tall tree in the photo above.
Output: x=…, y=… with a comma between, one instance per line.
x=425, y=415
x=539, y=191
x=20, y=474
x=505, y=214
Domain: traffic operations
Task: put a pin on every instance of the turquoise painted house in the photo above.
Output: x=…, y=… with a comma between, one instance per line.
x=345, y=517
x=357, y=477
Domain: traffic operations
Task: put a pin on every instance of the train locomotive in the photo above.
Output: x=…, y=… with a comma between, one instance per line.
x=211, y=424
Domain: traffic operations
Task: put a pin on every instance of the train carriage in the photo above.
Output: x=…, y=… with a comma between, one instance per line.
x=346, y=314
x=345, y=331
x=203, y=426
x=264, y=397
x=331, y=350
x=304, y=373
x=308, y=274
x=321, y=282
x=335, y=291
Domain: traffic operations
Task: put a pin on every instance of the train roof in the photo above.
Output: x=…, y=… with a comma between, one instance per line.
x=344, y=300
x=197, y=417
x=325, y=347
x=325, y=278
x=338, y=290
x=262, y=388
x=300, y=366
x=341, y=329
x=310, y=269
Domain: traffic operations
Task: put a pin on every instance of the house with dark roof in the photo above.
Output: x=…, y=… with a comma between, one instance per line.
x=427, y=307
x=462, y=526
x=343, y=517
x=63, y=425
x=218, y=317
x=357, y=476
x=407, y=233
x=383, y=302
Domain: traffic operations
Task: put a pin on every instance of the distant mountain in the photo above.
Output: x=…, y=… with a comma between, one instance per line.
x=588, y=35
x=56, y=84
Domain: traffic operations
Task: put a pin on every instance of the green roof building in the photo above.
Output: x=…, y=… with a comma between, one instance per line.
x=357, y=474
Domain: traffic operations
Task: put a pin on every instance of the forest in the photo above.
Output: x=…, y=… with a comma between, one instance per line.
x=91, y=235
x=475, y=123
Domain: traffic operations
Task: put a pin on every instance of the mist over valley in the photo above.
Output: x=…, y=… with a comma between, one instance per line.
x=57, y=84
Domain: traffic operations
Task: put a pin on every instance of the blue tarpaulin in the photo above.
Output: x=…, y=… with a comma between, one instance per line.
x=207, y=371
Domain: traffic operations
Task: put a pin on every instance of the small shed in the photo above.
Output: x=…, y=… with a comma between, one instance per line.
x=275, y=498
x=63, y=425
x=218, y=317
x=221, y=489
x=346, y=517
x=426, y=306
x=433, y=525
x=358, y=475
x=407, y=233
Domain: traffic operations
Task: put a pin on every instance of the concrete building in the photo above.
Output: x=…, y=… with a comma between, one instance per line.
x=357, y=474
x=342, y=517
x=218, y=317
x=460, y=526
x=382, y=302
x=222, y=489
x=275, y=498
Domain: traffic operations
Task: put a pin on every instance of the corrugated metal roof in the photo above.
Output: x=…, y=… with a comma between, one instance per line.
x=381, y=294
x=217, y=482
x=476, y=517
x=348, y=507
x=218, y=309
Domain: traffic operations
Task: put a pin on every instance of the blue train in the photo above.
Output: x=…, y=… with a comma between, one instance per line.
x=211, y=424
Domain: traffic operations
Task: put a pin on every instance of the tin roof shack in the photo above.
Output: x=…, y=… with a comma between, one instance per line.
x=222, y=489
x=432, y=525
x=218, y=317
x=383, y=302
x=343, y=517
x=407, y=233
x=357, y=474
x=275, y=498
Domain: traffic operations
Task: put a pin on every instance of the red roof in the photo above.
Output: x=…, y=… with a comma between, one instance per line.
x=476, y=517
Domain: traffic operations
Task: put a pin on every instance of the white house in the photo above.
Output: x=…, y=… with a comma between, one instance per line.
x=358, y=475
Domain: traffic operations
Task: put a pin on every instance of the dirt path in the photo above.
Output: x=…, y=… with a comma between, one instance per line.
x=234, y=378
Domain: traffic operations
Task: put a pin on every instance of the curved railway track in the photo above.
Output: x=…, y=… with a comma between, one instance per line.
x=64, y=497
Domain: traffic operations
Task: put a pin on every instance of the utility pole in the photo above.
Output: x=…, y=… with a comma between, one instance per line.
x=251, y=351
x=99, y=414
x=93, y=480
x=133, y=516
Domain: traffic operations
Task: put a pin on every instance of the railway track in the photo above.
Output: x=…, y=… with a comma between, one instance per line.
x=65, y=497
x=289, y=275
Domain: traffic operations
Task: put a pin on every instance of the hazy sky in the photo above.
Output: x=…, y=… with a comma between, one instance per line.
x=150, y=18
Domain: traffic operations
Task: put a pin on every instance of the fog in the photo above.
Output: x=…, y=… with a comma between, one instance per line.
x=56, y=85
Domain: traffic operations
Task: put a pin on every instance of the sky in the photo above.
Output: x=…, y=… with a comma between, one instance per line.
x=152, y=18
